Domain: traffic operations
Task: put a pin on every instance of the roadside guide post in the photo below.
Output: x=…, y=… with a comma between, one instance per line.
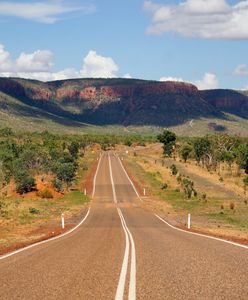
x=144, y=191
x=62, y=221
x=189, y=221
x=85, y=192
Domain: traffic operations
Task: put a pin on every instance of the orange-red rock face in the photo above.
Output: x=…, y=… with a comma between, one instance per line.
x=148, y=89
x=97, y=93
x=39, y=94
x=88, y=93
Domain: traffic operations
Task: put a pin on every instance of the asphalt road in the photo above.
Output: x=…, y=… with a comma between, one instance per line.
x=124, y=252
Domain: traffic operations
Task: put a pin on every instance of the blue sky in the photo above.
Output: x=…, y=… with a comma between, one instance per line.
x=200, y=41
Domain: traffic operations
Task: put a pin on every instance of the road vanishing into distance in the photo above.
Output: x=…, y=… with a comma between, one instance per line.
x=122, y=251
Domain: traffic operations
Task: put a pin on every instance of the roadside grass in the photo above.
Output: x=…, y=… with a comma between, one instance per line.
x=19, y=217
x=231, y=213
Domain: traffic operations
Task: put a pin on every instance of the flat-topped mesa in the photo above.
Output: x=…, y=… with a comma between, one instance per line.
x=42, y=91
x=162, y=88
x=227, y=100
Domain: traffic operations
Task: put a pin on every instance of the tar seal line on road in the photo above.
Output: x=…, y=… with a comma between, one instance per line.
x=94, y=180
x=122, y=279
x=112, y=180
x=202, y=235
x=132, y=283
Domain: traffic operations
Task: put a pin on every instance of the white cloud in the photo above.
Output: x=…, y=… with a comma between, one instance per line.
x=170, y=79
x=98, y=66
x=209, y=19
x=38, y=61
x=41, y=11
x=209, y=81
x=241, y=70
x=39, y=65
x=5, y=61
x=127, y=76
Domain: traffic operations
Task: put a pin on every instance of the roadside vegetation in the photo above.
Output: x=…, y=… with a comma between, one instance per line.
x=43, y=175
x=206, y=176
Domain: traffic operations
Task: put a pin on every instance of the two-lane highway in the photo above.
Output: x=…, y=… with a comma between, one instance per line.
x=122, y=251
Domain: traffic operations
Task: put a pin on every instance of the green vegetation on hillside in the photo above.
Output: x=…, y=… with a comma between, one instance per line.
x=119, y=106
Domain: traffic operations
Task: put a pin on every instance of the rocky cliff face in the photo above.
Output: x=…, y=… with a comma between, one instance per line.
x=18, y=88
x=125, y=101
x=228, y=101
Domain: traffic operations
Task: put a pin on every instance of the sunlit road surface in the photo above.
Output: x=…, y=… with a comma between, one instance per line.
x=121, y=251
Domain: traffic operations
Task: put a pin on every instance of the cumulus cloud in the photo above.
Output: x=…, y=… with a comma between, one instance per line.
x=127, y=76
x=38, y=61
x=39, y=65
x=41, y=11
x=209, y=19
x=98, y=66
x=241, y=70
x=170, y=79
x=5, y=61
x=209, y=81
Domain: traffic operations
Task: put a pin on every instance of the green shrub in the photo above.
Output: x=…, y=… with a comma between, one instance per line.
x=45, y=193
x=164, y=186
x=33, y=211
x=174, y=170
x=188, y=187
x=57, y=184
x=25, y=184
x=66, y=172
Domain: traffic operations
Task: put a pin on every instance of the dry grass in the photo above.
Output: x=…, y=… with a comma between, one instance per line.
x=27, y=219
x=219, y=208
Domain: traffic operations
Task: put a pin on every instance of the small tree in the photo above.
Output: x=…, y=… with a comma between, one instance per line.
x=168, y=139
x=25, y=184
x=173, y=169
x=74, y=149
x=242, y=157
x=185, y=152
x=188, y=187
x=57, y=184
x=66, y=172
x=202, y=149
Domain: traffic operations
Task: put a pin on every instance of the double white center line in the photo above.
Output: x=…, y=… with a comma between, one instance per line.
x=129, y=239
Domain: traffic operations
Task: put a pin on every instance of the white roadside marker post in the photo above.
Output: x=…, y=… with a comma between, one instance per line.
x=144, y=191
x=189, y=221
x=85, y=192
x=62, y=221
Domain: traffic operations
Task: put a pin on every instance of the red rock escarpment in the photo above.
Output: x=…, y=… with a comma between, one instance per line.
x=113, y=92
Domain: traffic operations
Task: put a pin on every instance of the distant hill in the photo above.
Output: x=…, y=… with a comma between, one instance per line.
x=128, y=103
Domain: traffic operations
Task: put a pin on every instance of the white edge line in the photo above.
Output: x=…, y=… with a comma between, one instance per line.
x=202, y=235
x=129, y=179
x=111, y=179
x=46, y=241
x=122, y=279
x=94, y=180
x=132, y=283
